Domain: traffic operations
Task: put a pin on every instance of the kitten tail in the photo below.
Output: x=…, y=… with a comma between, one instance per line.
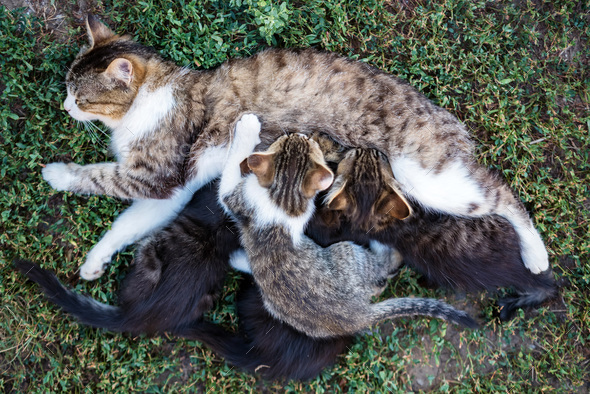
x=532, y=297
x=398, y=307
x=85, y=309
x=271, y=349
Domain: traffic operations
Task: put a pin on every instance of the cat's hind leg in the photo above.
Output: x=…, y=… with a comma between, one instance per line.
x=470, y=190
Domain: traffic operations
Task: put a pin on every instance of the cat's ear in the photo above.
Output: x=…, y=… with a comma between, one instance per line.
x=120, y=69
x=318, y=179
x=244, y=169
x=393, y=203
x=97, y=31
x=263, y=165
x=339, y=200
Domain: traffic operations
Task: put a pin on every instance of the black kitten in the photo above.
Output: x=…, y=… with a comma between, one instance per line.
x=264, y=344
x=176, y=277
x=470, y=254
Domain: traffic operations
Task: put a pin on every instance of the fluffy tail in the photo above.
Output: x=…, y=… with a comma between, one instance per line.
x=398, y=307
x=235, y=348
x=531, y=296
x=85, y=309
x=277, y=353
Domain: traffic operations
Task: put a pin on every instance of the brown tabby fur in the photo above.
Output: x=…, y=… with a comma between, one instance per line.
x=357, y=105
x=470, y=254
x=322, y=292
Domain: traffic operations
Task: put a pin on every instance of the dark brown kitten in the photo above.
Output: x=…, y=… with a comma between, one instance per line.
x=171, y=128
x=175, y=278
x=469, y=254
x=176, y=275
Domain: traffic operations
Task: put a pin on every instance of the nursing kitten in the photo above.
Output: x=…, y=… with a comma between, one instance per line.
x=176, y=276
x=171, y=129
x=265, y=345
x=322, y=292
x=470, y=254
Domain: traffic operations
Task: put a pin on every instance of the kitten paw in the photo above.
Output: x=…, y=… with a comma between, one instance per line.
x=239, y=261
x=247, y=134
x=94, y=266
x=59, y=176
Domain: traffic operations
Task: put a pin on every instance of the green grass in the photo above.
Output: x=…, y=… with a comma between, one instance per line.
x=515, y=72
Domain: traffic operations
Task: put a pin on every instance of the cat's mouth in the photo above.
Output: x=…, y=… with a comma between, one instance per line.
x=75, y=112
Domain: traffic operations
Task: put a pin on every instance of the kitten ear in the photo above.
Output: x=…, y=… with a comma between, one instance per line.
x=338, y=201
x=244, y=169
x=120, y=69
x=393, y=203
x=263, y=165
x=317, y=180
x=97, y=31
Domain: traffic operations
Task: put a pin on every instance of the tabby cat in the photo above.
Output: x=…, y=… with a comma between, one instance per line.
x=171, y=129
x=322, y=292
x=470, y=254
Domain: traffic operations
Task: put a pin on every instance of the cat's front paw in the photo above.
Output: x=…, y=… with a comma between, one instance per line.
x=94, y=266
x=247, y=134
x=59, y=176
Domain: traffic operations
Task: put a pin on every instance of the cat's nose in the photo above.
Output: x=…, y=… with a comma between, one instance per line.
x=66, y=108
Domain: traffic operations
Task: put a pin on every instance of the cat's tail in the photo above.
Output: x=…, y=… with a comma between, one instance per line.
x=530, y=296
x=399, y=307
x=275, y=353
x=87, y=310
x=235, y=348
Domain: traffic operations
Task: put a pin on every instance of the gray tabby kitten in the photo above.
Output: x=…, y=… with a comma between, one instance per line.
x=322, y=292
x=171, y=129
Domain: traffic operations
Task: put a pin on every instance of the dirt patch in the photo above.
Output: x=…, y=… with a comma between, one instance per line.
x=57, y=16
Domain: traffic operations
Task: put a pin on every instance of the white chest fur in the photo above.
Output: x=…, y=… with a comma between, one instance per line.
x=268, y=213
x=148, y=110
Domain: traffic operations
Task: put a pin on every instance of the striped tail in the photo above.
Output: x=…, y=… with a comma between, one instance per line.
x=399, y=307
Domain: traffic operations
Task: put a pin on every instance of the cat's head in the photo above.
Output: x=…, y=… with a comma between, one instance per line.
x=365, y=192
x=104, y=79
x=293, y=170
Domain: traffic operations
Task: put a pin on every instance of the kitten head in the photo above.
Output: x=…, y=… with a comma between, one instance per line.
x=365, y=191
x=103, y=80
x=293, y=170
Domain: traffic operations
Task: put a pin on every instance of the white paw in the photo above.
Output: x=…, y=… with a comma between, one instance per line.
x=95, y=265
x=535, y=258
x=378, y=248
x=240, y=262
x=59, y=176
x=247, y=134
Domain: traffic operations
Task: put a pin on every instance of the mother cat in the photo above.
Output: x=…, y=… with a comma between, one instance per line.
x=171, y=127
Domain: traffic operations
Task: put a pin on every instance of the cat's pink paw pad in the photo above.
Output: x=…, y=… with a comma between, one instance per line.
x=93, y=268
x=90, y=274
x=59, y=176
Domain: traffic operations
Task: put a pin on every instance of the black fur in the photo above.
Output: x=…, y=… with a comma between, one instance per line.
x=433, y=244
x=175, y=279
x=265, y=345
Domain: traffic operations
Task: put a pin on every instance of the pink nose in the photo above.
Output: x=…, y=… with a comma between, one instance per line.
x=67, y=109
